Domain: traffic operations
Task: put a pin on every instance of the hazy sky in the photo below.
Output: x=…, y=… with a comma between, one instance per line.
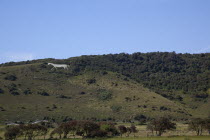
x=33, y=29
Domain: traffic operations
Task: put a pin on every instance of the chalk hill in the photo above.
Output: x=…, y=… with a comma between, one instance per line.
x=107, y=87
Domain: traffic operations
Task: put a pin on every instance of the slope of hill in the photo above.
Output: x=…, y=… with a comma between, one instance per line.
x=119, y=87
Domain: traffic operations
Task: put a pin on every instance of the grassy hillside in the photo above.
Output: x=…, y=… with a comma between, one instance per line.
x=104, y=87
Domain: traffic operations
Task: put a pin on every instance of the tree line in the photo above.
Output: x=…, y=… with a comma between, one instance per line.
x=91, y=129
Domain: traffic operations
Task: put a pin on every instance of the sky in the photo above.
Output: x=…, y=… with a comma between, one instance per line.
x=36, y=29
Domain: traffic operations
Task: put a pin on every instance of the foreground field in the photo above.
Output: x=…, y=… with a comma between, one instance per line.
x=158, y=138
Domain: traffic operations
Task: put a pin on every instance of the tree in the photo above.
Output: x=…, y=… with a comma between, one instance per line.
x=73, y=126
x=12, y=133
x=109, y=128
x=85, y=128
x=133, y=129
x=122, y=129
x=160, y=125
x=56, y=131
x=98, y=133
x=207, y=126
x=31, y=131
x=42, y=131
x=65, y=128
x=198, y=125
x=89, y=126
x=128, y=131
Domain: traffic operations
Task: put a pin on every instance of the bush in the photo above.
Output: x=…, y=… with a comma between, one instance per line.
x=201, y=95
x=63, y=97
x=163, y=108
x=116, y=108
x=103, y=72
x=43, y=93
x=104, y=95
x=1, y=91
x=82, y=93
x=91, y=81
x=141, y=118
x=15, y=93
x=10, y=77
x=27, y=91
x=43, y=65
x=12, y=87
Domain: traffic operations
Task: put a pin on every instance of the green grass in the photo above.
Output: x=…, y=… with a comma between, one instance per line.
x=152, y=138
x=165, y=138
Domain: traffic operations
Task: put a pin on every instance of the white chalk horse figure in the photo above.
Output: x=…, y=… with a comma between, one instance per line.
x=58, y=66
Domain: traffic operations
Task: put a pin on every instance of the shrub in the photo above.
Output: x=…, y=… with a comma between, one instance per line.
x=116, y=108
x=12, y=87
x=103, y=72
x=1, y=91
x=27, y=91
x=128, y=99
x=163, y=108
x=15, y=93
x=10, y=77
x=91, y=81
x=63, y=97
x=43, y=65
x=54, y=106
x=201, y=95
x=82, y=93
x=141, y=118
x=104, y=95
x=2, y=109
x=43, y=93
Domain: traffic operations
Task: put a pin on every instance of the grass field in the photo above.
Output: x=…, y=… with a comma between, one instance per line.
x=165, y=138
